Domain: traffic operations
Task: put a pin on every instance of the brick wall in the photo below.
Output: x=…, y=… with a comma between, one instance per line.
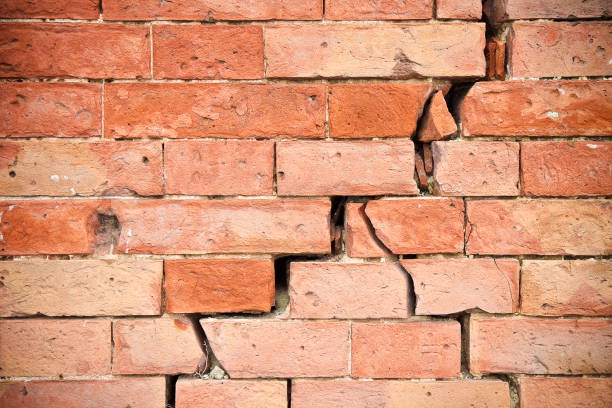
x=305, y=203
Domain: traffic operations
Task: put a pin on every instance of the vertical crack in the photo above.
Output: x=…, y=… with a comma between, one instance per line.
x=171, y=390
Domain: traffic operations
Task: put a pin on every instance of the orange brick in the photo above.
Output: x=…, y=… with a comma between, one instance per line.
x=536, y=392
x=358, y=239
x=85, y=9
x=385, y=10
x=192, y=393
x=460, y=9
x=499, y=11
x=496, y=59
x=437, y=123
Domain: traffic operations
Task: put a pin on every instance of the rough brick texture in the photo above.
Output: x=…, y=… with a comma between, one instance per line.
x=191, y=393
x=82, y=9
x=459, y=9
x=385, y=10
x=567, y=392
x=506, y=10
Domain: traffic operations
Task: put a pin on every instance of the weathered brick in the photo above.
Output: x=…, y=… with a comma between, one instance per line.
x=163, y=345
x=74, y=50
x=33, y=109
x=536, y=392
x=51, y=347
x=461, y=9
x=539, y=346
x=219, y=285
x=192, y=393
x=259, y=348
x=224, y=167
x=406, y=350
x=345, y=168
x=427, y=157
x=422, y=178
x=80, y=287
x=444, y=286
x=359, y=241
x=538, y=108
x=376, y=110
x=66, y=168
x=319, y=290
x=214, y=110
x=214, y=51
x=84, y=9
x=566, y=288
x=551, y=49
x=566, y=168
x=499, y=11
x=437, y=123
x=496, y=59
x=362, y=50
x=543, y=227
x=476, y=168
x=385, y=10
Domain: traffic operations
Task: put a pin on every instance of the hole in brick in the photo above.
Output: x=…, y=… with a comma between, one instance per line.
x=107, y=231
x=145, y=159
x=12, y=173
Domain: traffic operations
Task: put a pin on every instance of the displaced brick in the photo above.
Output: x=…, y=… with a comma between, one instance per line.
x=51, y=347
x=345, y=168
x=496, y=59
x=420, y=171
x=536, y=392
x=214, y=110
x=77, y=9
x=362, y=50
x=224, y=167
x=539, y=346
x=428, y=157
x=460, y=9
x=74, y=50
x=406, y=350
x=445, y=286
x=359, y=240
x=542, y=227
x=279, y=349
x=499, y=11
x=386, y=10
x=438, y=123
x=476, y=168
x=192, y=393
x=566, y=288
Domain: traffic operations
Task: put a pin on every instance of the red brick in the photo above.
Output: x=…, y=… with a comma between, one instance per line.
x=33, y=109
x=406, y=350
x=445, y=286
x=536, y=392
x=496, y=59
x=385, y=10
x=538, y=108
x=397, y=393
x=219, y=285
x=376, y=110
x=460, y=9
x=213, y=10
x=476, y=168
x=550, y=49
x=428, y=157
x=83, y=9
x=156, y=346
x=52, y=347
x=566, y=288
x=74, y=50
x=359, y=241
x=542, y=227
x=66, y=168
x=345, y=168
x=420, y=171
x=499, y=11
x=192, y=393
x=418, y=226
x=214, y=51
x=437, y=123
x=566, y=168
x=224, y=167
x=363, y=50
x=321, y=290
x=134, y=392
x=279, y=349
x=80, y=287
x=214, y=110
x=539, y=346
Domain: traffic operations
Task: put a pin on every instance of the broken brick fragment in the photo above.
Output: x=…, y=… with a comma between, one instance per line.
x=496, y=59
x=428, y=158
x=420, y=170
x=438, y=123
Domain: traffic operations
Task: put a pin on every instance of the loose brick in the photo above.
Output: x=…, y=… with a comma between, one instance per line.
x=362, y=50
x=445, y=286
x=74, y=50
x=80, y=287
x=566, y=288
x=496, y=59
x=406, y=350
x=418, y=226
x=62, y=168
x=538, y=108
x=476, y=168
x=460, y=9
x=213, y=10
x=191, y=393
x=214, y=110
x=360, y=242
x=35, y=109
x=201, y=52
x=543, y=227
x=224, y=167
x=83, y=9
x=539, y=346
x=219, y=285
x=428, y=157
x=135, y=392
x=279, y=349
x=320, y=290
x=51, y=347
x=536, y=392
x=420, y=171
x=566, y=168
x=345, y=168
x=499, y=11
x=438, y=123
x=376, y=110
x=155, y=346
x=550, y=49
x=386, y=10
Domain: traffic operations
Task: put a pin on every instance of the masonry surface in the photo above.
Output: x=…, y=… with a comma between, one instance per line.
x=305, y=203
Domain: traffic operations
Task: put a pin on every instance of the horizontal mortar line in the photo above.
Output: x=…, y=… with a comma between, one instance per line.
x=221, y=197
x=245, y=22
